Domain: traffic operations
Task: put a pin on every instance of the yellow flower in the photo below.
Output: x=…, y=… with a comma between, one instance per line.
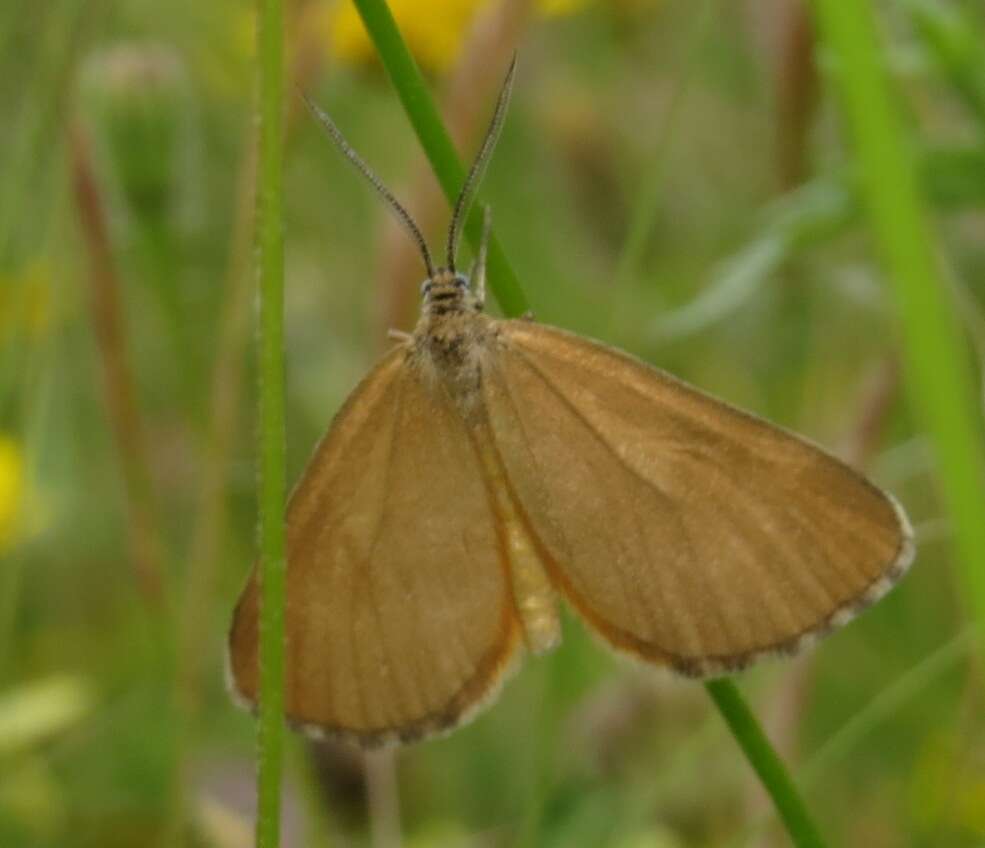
x=12, y=491
x=433, y=29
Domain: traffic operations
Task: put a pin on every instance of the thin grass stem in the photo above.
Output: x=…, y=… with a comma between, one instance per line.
x=271, y=447
x=765, y=762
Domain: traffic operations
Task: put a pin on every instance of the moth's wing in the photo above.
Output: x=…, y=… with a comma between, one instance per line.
x=399, y=620
x=684, y=531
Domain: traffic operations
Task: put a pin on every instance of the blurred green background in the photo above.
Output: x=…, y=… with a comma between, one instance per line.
x=673, y=178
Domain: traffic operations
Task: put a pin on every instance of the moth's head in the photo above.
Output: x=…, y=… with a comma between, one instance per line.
x=448, y=291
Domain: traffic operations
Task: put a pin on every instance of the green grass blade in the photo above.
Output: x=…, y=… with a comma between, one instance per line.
x=886, y=704
x=270, y=242
x=764, y=760
x=940, y=380
x=437, y=144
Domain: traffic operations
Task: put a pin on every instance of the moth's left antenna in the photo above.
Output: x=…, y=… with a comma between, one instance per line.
x=403, y=216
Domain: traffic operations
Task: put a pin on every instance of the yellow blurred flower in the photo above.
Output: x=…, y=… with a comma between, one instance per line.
x=12, y=489
x=433, y=29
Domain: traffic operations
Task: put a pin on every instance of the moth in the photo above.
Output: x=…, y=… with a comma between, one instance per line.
x=486, y=469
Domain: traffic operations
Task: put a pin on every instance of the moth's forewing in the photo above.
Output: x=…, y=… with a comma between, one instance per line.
x=684, y=531
x=399, y=621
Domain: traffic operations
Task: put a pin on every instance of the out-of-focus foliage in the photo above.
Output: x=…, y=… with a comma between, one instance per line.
x=115, y=729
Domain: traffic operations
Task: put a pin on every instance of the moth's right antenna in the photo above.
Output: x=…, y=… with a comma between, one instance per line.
x=394, y=205
x=465, y=196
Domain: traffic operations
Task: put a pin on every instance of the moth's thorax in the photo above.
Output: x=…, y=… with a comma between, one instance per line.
x=452, y=336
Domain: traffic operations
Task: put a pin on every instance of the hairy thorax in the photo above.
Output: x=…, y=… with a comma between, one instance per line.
x=451, y=341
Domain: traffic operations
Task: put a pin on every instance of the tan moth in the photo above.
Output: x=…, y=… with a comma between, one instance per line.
x=486, y=469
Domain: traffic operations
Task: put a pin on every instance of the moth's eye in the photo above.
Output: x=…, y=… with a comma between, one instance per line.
x=461, y=281
x=425, y=288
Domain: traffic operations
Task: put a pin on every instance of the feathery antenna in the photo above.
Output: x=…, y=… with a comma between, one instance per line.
x=467, y=193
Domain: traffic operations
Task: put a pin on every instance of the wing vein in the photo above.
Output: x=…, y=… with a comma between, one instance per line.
x=631, y=597
x=413, y=691
x=530, y=363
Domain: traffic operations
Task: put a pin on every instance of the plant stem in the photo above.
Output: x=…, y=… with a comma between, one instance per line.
x=764, y=760
x=106, y=309
x=271, y=447
x=437, y=143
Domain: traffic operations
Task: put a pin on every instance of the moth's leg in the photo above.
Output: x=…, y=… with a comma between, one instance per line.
x=398, y=335
x=478, y=272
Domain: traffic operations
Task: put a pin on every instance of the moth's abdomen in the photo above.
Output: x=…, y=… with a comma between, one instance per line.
x=533, y=594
